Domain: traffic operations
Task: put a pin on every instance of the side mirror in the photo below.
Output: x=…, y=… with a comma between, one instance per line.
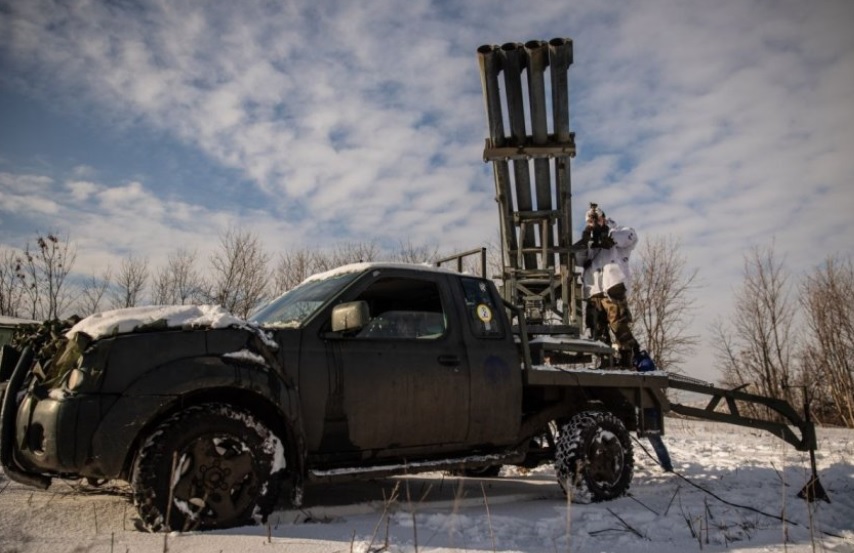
x=350, y=316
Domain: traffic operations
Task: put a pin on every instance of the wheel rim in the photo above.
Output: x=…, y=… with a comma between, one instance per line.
x=215, y=479
x=606, y=459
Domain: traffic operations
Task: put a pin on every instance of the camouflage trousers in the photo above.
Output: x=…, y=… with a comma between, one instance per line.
x=611, y=312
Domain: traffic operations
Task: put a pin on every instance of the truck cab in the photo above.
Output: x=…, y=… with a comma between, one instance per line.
x=405, y=361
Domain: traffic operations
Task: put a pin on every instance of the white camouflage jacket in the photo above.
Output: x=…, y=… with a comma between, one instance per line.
x=610, y=266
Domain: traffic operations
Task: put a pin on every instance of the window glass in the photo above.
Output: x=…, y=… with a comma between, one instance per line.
x=293, y=308
x=403, y=308
x=482, y=310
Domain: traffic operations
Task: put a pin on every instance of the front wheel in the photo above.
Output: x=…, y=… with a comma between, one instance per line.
x=208, y=466
x=594, y=458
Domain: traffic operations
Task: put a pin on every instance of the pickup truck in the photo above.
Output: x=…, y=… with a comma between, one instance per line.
x=372, y=369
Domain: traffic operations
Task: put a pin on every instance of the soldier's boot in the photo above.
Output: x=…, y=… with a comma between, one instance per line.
x=625, y=359
x=643, y=362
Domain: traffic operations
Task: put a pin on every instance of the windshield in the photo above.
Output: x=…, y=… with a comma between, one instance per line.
x=295, y=306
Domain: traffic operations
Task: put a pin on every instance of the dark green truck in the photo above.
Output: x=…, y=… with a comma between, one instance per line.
x=367, y=370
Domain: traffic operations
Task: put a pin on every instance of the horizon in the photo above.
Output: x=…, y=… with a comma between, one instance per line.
x=142, y=127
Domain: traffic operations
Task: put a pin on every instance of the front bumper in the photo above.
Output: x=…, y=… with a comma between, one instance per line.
x=31, y=423
x=8, y=414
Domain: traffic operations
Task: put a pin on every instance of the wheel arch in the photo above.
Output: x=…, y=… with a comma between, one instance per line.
x=166, y=389
x=252, y=402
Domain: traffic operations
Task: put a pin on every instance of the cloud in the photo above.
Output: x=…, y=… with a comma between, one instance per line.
x=26, y=194
x=726, y=126
x=81, y=190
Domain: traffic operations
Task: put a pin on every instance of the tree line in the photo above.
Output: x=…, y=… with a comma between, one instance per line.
x=783, y=338
x=37, y=282
x=786, y=339
x=789, y=338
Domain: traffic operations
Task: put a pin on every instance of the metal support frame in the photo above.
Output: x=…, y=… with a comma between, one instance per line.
x=783, y=430
x=459, y=257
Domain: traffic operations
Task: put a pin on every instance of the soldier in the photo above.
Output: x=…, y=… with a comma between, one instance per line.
x=606, y=283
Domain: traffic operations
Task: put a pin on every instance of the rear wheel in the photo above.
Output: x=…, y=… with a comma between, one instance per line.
x=209, y=466
x=594, y=459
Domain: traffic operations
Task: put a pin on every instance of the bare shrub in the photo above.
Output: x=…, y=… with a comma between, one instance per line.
x=661, y=302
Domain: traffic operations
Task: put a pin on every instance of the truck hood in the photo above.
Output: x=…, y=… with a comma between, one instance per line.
x=128, y=332
x=132, y=319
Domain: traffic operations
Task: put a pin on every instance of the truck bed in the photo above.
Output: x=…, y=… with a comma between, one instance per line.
x=556, y=375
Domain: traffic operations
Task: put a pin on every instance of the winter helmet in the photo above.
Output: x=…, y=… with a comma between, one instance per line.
x=594, y=213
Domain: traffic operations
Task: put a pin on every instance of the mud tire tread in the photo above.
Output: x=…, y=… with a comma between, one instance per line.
x=150, y=489
x=571, y=462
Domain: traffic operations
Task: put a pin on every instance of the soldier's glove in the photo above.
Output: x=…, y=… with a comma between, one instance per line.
x=606, y=242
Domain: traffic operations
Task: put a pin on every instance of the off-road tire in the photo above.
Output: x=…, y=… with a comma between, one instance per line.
x=594, y=460
x=223, y=461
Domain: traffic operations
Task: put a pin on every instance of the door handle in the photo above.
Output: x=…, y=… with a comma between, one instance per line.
x=449, y=360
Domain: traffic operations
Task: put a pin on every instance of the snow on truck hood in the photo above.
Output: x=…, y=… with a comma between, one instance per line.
x=122, y=321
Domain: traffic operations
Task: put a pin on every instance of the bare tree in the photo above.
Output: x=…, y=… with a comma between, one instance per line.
x=93, y=292
x=44, y=270
x=239, y=272
x=295, y=266
x=758, y=346
x=662, y=301
x=130, y=282
x=179, y=282
x=348, y=252
x=11, y=286
x=161, y=287
x=292, y=268
x=407, y=252
x=828, y=355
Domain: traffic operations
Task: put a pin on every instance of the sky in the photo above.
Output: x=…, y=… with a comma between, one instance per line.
x=136, y=128
x=730, y=483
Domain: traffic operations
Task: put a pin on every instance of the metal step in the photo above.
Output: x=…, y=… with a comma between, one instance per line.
x=379, y=470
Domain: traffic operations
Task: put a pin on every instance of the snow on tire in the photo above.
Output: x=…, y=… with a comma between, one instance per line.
x=208, y=466
x=594, y=459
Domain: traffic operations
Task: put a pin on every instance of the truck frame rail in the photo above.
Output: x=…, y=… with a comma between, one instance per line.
x=720, y=397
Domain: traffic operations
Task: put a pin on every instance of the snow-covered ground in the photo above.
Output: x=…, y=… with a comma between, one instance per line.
x=734, y=490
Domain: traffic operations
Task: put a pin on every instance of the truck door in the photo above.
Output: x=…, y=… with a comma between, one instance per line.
x=402, y=380
x=496, y=377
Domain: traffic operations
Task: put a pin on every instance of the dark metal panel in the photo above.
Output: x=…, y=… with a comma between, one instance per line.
x=496, y=376
x=388, y=395
x=167, y=388
x=131, y=355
